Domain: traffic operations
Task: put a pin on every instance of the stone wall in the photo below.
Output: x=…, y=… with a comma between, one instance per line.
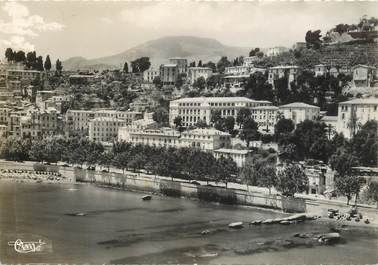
x=167, y=187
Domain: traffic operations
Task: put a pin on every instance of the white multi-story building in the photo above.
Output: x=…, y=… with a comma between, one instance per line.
x=196, y=72
x=205, y=139
x=162, y=137
x=239, y=156
x=354, y=113
x=39, y=123
x=266, y=117
x=299, y=111
x=192, y=110
x=78, y=120
x=276, y=51
x=104, y=129
x=363, y=75
x=250, y=61
x=150, y=74
x=169, y=73
x=29, y=75
x=237, y=70
x=291, y=72
x=182, y=64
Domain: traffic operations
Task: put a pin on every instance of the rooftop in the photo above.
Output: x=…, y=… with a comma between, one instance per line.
x=284, y=67
x=329, y=118
x=169, y=65
x=361, y=101
x=232, y=151
x=298, y=105
x=266, y=107
x=218, y=99
x=210, y=131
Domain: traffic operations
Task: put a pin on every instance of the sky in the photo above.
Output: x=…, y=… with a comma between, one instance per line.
x=64, y=29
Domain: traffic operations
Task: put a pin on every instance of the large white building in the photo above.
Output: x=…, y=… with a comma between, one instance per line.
x=299, y=111
x=192, y=110
x=363, y=75
x=169, y=73
x=291, y=72
x=182, y=64
x=239, y=156
x=266, y=117
x=150, y=74
x=204, y=139
x=78, y=120
x=104, y=129
x=196, y=72
x=354, y=113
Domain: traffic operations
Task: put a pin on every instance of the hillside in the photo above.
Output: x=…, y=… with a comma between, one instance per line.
x=159, y=50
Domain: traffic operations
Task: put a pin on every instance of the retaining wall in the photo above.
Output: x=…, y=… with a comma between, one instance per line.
x=182, y=189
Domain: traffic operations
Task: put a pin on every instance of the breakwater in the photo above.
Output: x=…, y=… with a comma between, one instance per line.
x=151, y=184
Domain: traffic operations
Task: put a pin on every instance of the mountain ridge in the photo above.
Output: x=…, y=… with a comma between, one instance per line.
x=159, y=50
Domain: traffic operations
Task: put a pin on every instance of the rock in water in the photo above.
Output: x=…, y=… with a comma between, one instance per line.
x=236, y=225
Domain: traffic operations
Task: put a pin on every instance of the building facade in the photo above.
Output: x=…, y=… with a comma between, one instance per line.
x=196, y=72
x=354, y=113
x=150, y=74
x=363, y=75
x=192, y=110
x=299, y=112
x=104, y=129
x=290, y=72
x=182, y=64
x=169, y=73
x=266, y=117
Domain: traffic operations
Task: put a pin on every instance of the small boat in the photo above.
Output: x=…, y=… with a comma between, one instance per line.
x=147, y=198
x=236, y=225
x=208, y=255
x=81, y=214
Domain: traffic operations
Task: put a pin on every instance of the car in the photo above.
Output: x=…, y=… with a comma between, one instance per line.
x=65, y=165
x=105, y=171
x=195, y=182
x=91, y=168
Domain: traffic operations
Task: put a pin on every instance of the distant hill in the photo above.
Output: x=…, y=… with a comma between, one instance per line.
x=159, y=50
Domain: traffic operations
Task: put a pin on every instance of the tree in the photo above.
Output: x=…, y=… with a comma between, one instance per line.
x=58, y=66
x=157, y=82
x=222, y=64
x=291, y=180
x=37, y=151
x=254, y=51
x=47, y=64
x=267, y=176
x=161, y=116
x=348, y=186
x=200, y=83
x=178, y=122
x=229, y=124
x=199, y=63
x=372, y=191
x=313, y=39
x=365, y=145
x=227, y=169
x=31, y=58
x=19, y=57
x=9, y=55
x=106, y=159
x=211, y=65
x=243, y=115
x=126, y=68
x=215, y=116
x=249, y=131
x=283, y=126
x=343, y=161
x=39, y=64
x=141, y=64
x=249, y=173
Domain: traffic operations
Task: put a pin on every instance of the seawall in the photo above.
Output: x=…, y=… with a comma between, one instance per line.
x=167, y=187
